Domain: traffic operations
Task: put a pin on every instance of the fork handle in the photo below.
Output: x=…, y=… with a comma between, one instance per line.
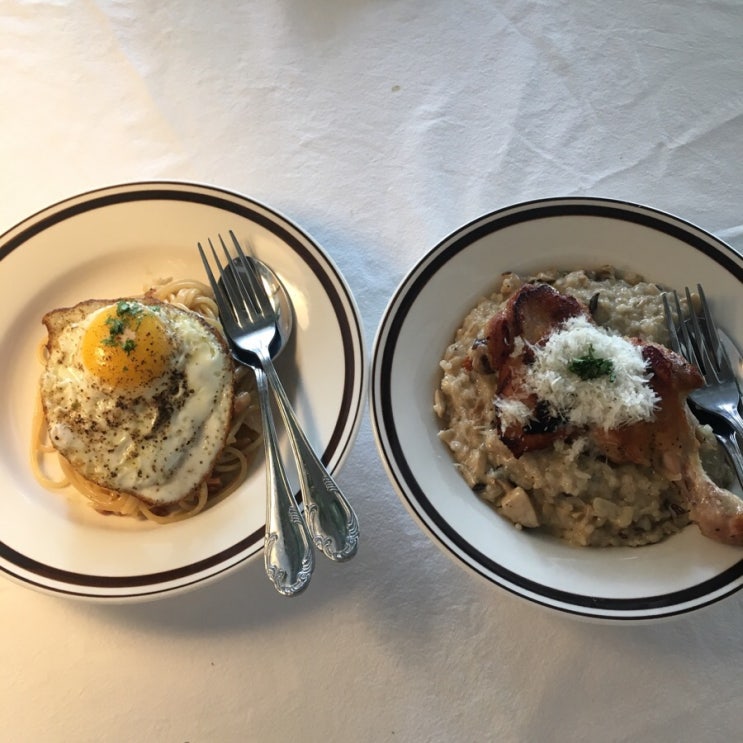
x=732, y=416
x=287, y=553
x=731, y=446
x=331, y=520
x=731, y=436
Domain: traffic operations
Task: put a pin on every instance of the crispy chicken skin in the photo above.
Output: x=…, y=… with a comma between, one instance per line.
x=668, y=443
x=660, y=443
x=531, y=314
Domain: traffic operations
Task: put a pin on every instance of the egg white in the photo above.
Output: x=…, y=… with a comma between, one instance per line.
x=157, y=441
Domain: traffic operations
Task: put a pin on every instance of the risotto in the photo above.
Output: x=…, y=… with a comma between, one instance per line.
x=568, y=489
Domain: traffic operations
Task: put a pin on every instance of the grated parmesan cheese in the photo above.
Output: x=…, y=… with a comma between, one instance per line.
x=511, y=411
x=608, y=401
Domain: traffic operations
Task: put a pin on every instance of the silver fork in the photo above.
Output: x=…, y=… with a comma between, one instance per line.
x=330, y=517
x=288, y=556
x=697, y=339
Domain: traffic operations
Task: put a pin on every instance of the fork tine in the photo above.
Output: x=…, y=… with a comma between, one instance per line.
x=703, y=335
x=671, y=325
x=721, y=363
x=235, y=286
x=689, y=350
x=697, y=335
x=706, y=342
x=257, y=289
x=207, y=268
x=219, y=297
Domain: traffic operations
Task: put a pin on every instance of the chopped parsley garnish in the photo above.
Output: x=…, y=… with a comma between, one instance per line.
x=591, y=366
x=126, y=314
x=115, y=325
x=130, y=309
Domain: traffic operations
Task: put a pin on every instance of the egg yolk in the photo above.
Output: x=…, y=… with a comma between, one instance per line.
x=126, y=345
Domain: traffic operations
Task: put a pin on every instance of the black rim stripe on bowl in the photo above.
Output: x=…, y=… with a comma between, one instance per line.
x=242, y=207
x=407, y=484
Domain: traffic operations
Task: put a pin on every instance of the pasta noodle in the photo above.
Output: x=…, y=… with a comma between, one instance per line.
x=230, y=470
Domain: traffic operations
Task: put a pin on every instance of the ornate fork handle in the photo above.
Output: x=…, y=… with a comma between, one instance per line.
x=287, y=554
x=329, y=516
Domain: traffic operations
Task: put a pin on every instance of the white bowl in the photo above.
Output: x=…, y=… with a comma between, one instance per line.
x=682, y=573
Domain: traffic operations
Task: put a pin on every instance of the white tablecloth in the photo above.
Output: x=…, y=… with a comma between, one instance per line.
x=379, y=126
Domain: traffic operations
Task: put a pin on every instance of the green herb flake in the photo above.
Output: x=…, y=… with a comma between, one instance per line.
x=128, y=309
x=115, y=325
x=591, y=366
x=127, y=318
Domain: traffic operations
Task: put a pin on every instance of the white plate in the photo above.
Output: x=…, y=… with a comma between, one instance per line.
x=684, y=572
x=108, y=243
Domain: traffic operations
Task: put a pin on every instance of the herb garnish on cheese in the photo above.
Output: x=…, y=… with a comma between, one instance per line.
x=589, y=376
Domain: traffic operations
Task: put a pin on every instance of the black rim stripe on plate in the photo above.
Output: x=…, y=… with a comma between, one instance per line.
x=241, y=207
x=194, y=570
x=403, y=301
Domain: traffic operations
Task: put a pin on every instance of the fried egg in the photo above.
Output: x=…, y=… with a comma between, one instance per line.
x=137, y=395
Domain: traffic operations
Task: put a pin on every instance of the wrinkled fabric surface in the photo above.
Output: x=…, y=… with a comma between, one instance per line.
x=379, y=126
